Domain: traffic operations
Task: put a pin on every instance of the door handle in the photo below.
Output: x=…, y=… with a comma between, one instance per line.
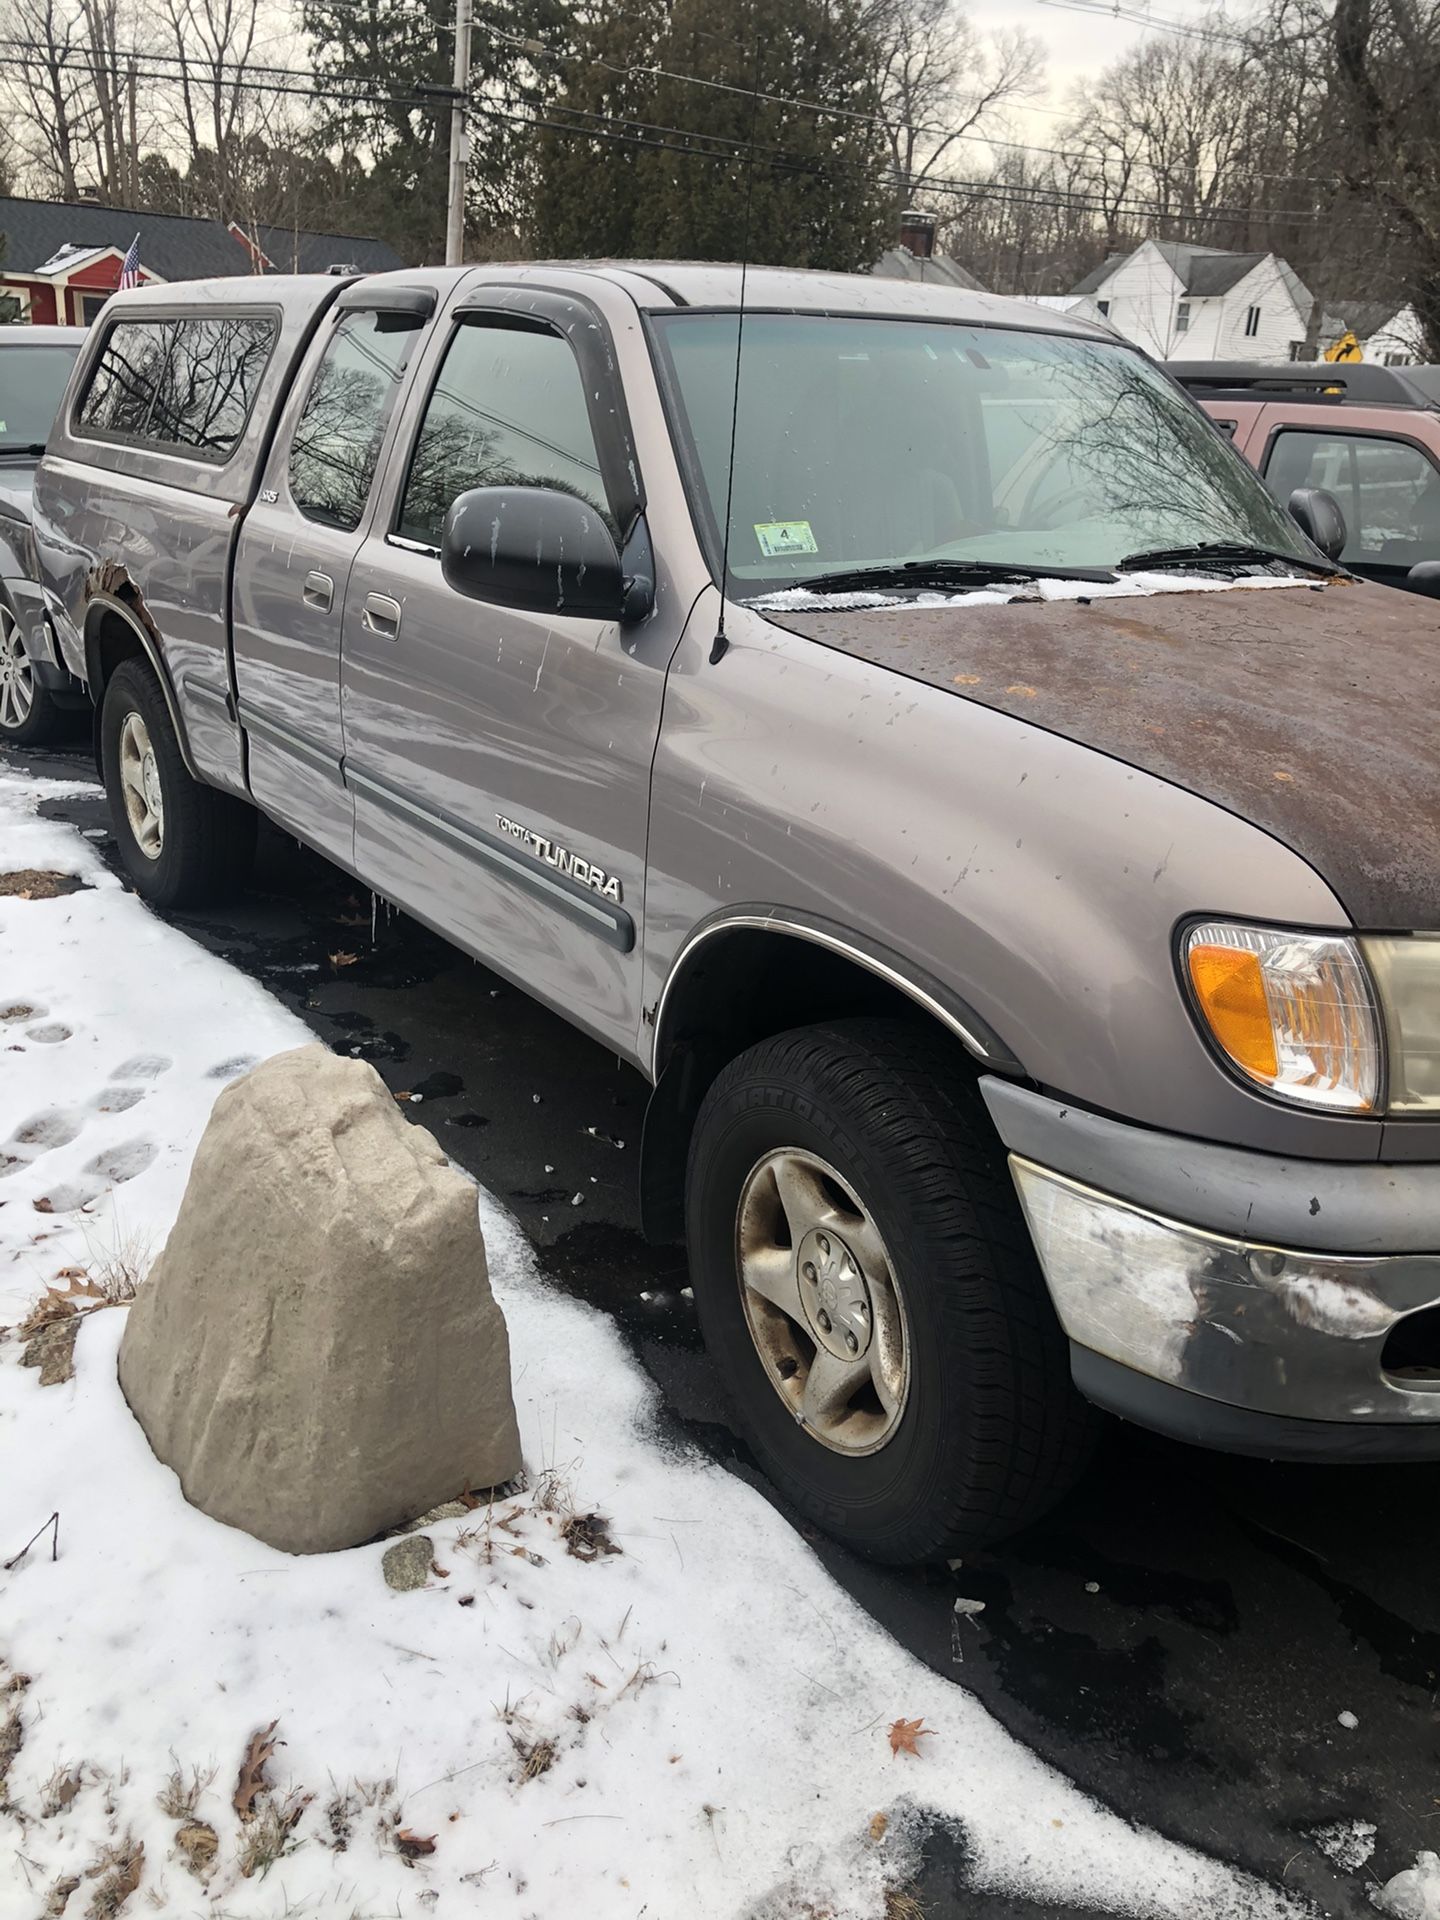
x=319, y=591
x=381, y=616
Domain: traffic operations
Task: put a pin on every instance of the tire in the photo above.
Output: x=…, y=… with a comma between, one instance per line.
x=976, y=1429
x=28, y=715
x=197, y=844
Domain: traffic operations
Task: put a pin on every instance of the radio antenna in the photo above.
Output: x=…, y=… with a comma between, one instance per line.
x=721, y=643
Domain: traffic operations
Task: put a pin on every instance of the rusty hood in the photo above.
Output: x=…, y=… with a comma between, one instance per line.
x=1312, y=712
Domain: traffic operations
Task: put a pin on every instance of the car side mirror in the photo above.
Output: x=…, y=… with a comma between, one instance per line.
x=1424, y=577
x=1318, y=516
x=534, y=548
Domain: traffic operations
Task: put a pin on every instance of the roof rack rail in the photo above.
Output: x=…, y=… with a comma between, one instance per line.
x=1339, y=382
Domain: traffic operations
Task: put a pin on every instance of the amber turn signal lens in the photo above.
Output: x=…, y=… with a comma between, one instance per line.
x=1230, y=988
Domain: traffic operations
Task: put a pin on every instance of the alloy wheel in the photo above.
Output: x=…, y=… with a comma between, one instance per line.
x=822, y=1302
x=140, y=784
x=17, y=676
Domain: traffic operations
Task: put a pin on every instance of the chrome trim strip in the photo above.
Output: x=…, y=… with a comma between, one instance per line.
x=611, y=924
x=779, y=923
x=201, y=690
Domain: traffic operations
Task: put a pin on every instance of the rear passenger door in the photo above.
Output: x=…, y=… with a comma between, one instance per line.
x=485, y=746
x=295, y=553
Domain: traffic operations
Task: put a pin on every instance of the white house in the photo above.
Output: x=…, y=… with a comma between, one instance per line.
x=1201, y=303
x=1389, y=331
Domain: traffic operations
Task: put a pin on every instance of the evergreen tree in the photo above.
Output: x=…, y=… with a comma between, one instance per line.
x=650, y=164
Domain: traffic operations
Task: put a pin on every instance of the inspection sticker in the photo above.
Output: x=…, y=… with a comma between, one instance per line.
x=778, y=537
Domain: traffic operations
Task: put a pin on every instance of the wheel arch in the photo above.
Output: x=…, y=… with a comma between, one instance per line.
x=756, y=971
x=117, y=629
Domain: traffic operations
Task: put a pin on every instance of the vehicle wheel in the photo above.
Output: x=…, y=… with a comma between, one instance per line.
x=28, y=716
x=867, y=1286
x=180, y=841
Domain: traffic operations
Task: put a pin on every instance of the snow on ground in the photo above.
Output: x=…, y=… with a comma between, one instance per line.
x=694, y=1725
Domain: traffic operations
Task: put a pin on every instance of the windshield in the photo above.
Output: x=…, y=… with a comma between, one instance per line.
x=869, y=443
x=32, y=384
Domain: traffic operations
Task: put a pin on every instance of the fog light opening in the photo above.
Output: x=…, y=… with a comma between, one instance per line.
x=1411, y=1353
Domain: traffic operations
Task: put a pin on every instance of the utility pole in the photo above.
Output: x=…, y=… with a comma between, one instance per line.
x=459, y=139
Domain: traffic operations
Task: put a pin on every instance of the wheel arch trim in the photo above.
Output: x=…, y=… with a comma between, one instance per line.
x=102, y=604
x=974, y=1033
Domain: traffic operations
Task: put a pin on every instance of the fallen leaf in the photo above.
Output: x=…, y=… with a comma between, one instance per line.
x=413, y=1845
x=42, y=1205
x=252, y=1782
x=343, y=959
x=879, y=1825
x=403, y=1097
x=905, y=1733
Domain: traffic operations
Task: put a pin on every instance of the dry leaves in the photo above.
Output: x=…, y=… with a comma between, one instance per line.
x=343, y=959
x=252, y=1782
x=905, y=1734
x=414, y=1845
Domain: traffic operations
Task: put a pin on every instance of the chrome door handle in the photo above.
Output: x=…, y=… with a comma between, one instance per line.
x=319, y=591
x=381, y=616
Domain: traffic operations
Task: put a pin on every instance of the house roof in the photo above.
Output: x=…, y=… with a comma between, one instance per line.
x=939, y=269
x=1364, y=318
x=174, y=246
x=1203, y=272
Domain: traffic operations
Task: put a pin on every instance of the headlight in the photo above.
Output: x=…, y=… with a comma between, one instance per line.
x=1294, y=1012
x=1407, y=973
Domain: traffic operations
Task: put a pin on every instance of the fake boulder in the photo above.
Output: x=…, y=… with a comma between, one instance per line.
x=317, y=1352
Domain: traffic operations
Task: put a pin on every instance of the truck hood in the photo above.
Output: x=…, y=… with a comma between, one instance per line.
x=1309, y=711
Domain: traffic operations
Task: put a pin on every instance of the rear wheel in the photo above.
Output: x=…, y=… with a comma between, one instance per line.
x=28, y=715
x=181, y=842
x=867, y=1286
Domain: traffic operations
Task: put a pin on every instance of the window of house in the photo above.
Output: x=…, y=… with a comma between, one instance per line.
x=1252, y=322
x=1182, y=316
x=1389, y=491
x=185, y=385
x=337, y=438
x=1397, y=360
x=1102, y=307
x=508, y=409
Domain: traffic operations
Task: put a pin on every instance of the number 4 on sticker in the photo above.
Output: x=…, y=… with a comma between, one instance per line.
x=780, y=537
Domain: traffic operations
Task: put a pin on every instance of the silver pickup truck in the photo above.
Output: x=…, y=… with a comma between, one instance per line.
x=899, y=723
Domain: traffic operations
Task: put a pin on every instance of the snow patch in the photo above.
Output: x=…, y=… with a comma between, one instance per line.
x=1413, y=1893
x=1346, y=1844
x=1128, y=586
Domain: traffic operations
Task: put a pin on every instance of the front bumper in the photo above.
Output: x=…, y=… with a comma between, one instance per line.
x=1260, y=1296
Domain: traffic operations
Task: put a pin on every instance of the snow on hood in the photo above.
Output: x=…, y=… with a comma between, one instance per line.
x=1128, y=586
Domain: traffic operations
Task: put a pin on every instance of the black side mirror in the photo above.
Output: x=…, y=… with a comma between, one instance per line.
x=535, y=548
x=1424, y=577
x=1318, y=516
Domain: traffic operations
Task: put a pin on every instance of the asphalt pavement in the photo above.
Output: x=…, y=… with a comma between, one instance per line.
x=1180, y=1638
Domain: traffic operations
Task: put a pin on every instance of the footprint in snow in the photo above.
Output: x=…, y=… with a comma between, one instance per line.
x=113, y=1099
x=231, y=1069
x=121, y=1163
x=143, y=1066
x=50, y=1035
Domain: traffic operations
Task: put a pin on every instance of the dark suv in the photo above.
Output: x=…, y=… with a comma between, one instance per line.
x=1370, y=436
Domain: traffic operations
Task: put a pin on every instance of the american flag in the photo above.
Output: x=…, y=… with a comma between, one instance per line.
x=130, y=266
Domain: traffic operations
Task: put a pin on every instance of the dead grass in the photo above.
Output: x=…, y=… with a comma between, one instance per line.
x=12, y=1727
x=39, y=883
x=61, y=1788
x=180, y=1795
x=118, y=1872
x=59, y=1897
x=198, y=1845
x=535, y=1756
x=901, y=1904
x=587, y=1536
x=271, y=1834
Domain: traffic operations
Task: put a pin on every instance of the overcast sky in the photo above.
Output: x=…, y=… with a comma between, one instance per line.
x=1077, y=44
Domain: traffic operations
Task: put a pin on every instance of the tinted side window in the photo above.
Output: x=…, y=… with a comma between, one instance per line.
x=337, y=438
x=507, y=410
x=1389, y=491
x=123, y=385
x=187, y=384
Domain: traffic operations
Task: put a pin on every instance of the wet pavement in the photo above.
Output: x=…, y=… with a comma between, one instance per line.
x=1181, y=1637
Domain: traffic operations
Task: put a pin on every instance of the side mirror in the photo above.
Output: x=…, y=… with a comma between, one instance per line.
x=1318, y=516
x=535, y=548
x=1424, y=577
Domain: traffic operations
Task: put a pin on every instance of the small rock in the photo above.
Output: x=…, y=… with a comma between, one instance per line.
x=447, y=1510
x=577, y=1200
x=1092, y=1586
x=967, y=1609
x=52, y=1350
x=1348, y=1719
x=407, y=1562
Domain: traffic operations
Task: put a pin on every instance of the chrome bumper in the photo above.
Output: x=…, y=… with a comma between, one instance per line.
x=1276, y=1330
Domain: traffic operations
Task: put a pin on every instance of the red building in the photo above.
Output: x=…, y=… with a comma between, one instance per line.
x=61, y=259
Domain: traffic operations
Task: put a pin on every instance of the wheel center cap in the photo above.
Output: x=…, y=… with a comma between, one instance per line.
x=834, y=1294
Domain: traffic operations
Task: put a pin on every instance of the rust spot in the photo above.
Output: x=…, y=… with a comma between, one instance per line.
x=1280, y=774
x=1024, y=693
x=967, y=680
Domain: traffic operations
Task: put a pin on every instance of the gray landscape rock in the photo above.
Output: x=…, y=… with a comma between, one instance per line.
x=317, y=1352
x=406, y=1564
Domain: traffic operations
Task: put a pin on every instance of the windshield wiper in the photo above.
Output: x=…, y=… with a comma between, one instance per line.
x=923, y=574
x=21, y=446
x=1224, y=553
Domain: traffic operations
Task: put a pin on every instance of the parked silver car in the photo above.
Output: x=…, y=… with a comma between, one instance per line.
x=35, y=691
x=1009, y=845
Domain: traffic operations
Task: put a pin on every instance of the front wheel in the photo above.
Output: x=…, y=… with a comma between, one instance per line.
x=866, y=1284
x=181, y=842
